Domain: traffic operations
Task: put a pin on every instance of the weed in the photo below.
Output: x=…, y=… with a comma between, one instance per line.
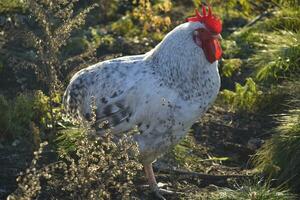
x=244, y=98
x=99, y=169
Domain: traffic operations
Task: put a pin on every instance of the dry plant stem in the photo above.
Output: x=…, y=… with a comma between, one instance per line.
x=209, y=177
x=259, y=17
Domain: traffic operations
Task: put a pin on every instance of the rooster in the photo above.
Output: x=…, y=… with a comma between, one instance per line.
x=162, y=92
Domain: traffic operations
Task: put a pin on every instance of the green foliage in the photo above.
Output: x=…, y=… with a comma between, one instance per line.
x=290, y=3
x=279, y=156
x=192, y=156
x=243, y=5
x=286, y=19
x=278, y=64
x=22, y=112
x=124, y=26
x=146, y=14
x=47, y=29
x=67, y=138
x=16, y=116
x=22, y=115
x=270, y=53
x=252, y=191
x=248, y=41
x=45, y=115
x=75, y=46
x=100, y=169
x=231, y=66
x=244, y=98
x=145, y=18
x=230, y=48
x=5, y=116
x=12, y=6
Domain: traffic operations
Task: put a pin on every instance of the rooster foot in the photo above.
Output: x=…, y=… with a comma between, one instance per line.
x=159, y=192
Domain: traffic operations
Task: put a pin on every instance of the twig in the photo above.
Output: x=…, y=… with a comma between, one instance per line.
x=200, y=175
x=259, y=17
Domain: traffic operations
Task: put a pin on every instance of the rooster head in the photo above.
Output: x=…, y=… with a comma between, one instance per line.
x=208, y=36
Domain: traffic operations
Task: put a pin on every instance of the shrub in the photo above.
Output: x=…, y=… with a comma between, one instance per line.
x=43, y=33
x=99, y=169
x=16, y=116
x=144, y=18
x=26, y=115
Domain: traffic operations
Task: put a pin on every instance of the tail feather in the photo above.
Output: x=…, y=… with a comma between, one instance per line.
x=73, y=100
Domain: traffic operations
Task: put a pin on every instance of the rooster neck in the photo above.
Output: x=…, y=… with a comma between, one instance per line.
x=182, y=66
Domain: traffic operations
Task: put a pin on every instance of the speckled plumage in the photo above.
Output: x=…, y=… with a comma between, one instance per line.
x=163, y=92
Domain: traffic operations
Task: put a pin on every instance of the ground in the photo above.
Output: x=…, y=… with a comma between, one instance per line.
x=221, y=143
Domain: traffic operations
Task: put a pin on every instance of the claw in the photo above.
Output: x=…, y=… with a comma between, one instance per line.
x=159, y=192
x=155, y=188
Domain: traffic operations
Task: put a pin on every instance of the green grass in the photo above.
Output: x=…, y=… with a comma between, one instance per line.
x=66, y=139
x=279, y=156
x=247, y=190
x=266, y=53
x=254, y=192
x=279, y=59
x=287, y=18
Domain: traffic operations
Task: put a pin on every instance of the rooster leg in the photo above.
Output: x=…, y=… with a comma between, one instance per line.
x=150, y=175
x=153, y=184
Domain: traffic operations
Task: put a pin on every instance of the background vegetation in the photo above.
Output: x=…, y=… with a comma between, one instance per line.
x=253, y=128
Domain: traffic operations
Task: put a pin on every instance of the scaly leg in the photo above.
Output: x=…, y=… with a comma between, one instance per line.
x=152, y=182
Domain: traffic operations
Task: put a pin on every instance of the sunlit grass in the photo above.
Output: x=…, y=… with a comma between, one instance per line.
x=279, y=59
x=279, y=156
x=254, y=192
x=246, y=190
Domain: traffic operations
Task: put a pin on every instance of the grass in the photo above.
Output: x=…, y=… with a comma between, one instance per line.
x=192, y=156
x=66, y=139
x=266, y=53
x=279, y=60
x=279, y=156
x=285, y=19
x=270, y=52
x=246, y=190
x=253, y=191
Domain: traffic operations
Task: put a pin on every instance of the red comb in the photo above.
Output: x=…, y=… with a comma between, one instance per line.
x=212, y=22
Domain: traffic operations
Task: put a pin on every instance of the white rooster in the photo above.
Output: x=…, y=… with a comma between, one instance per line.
x=162, y=92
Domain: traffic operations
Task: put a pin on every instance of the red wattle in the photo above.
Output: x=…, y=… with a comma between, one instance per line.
x=212, y=50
